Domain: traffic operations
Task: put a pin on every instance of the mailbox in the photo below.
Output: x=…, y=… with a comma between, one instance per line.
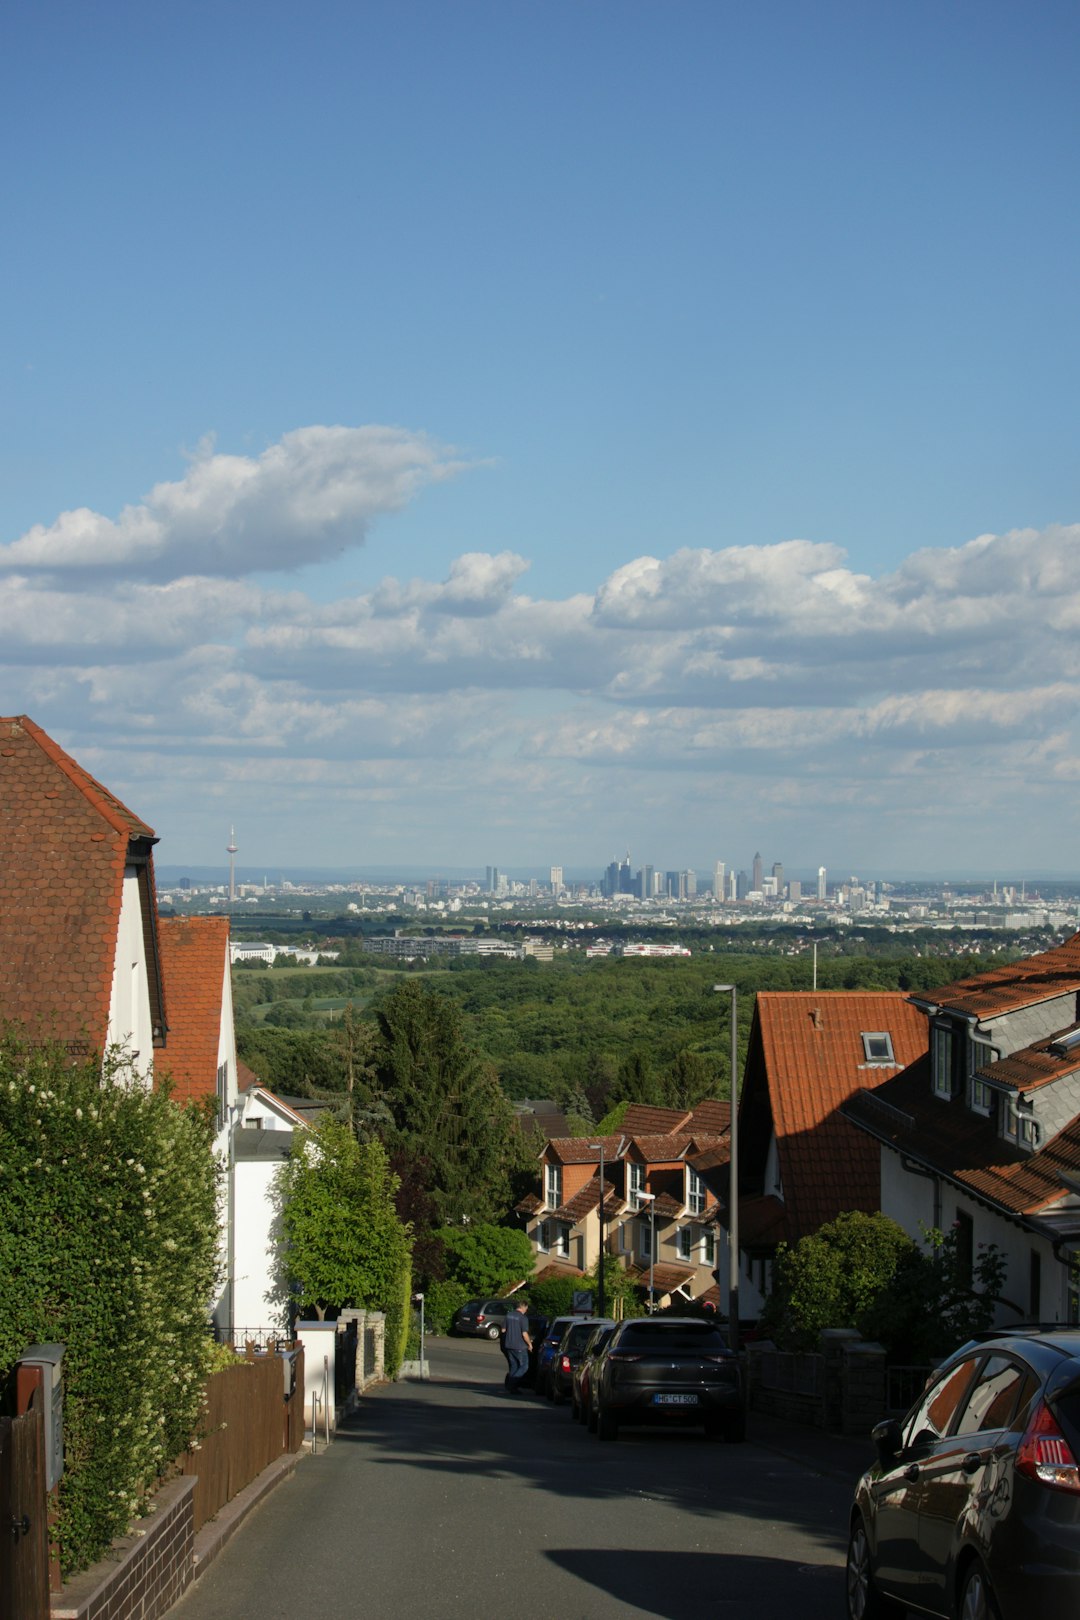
x=289, y=1359
x=48, y=1360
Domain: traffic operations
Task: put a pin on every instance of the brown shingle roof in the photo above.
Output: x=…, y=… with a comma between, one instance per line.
x=576, y=1149
x=1017, y=984
x=1036, y=1066
x=812, y=1049
x=947, y=1136
x=659, y=1149
x=194, y=957
x=713, y=1118
x=65, y=842
x=586, y=1199
x=665, y=1278
x=641, y=1118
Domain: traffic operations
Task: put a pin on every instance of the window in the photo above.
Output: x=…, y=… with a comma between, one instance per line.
x=1002, y=1388
x=938, y=1406
x=1021, y=1128
x=980, y=1054
x=543, y=1236
x=624, y=1238
x=683, y=1242
x=637, y=1184
x=553, y=1185
x=877, y=1047
x=941, y=1060
x=695, y=1193
x=708, y=1246
x=222, y=1090
x=645, y=1241
x=981, y=1097
x=561, y=1238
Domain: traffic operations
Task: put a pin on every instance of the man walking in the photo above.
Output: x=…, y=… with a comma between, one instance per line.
x=517, y=1342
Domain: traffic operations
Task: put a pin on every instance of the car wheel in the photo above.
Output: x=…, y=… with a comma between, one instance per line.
x=492, y=1332
x=864, y=1601
x=607, y=1425
x=976, y=1599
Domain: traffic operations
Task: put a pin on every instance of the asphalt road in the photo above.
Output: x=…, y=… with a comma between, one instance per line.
x=449, y=1500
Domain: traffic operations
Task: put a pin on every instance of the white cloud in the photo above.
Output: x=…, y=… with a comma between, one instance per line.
x=307, y=498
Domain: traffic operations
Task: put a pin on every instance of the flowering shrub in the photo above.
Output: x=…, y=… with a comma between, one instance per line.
x=108, y=1245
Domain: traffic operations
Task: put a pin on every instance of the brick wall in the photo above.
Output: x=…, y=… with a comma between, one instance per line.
x=145, y=1572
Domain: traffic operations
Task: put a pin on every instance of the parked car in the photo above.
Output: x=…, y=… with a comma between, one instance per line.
x=973, y=1506
x=669, y=1369
x=482, y=1318
x=581, y=1389
x=568, y=1354
x=546, y=1354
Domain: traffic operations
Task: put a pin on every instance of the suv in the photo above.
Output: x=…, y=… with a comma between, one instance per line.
x=669, y=1369
x=973, y=1506
x=483, y=1318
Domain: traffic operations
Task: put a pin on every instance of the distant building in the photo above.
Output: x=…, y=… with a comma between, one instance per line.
x=757, y=873
x=822, y=889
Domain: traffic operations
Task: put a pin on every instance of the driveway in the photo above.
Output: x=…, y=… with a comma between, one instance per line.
x=449, y=1499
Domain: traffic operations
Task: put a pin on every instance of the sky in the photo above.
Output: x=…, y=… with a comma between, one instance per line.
x=518, y=431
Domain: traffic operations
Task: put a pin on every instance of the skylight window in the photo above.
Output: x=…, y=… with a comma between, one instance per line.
x=877, y=1047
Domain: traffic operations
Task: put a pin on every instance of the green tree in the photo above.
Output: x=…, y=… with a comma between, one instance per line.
x=936, y=1299
x=485, y=1259
x=344, y=1243
x=832, y=1278
x=445, y=1102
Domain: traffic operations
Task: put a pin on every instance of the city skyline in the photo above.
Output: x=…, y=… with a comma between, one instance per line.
x=467, y=425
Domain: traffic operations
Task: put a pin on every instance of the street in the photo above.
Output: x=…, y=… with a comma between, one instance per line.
x=450, y=1499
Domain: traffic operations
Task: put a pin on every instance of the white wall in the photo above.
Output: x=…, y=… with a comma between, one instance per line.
x=130, y=1023
x=255, y=1247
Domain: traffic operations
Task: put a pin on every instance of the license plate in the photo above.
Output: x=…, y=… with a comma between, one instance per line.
x=675, y=1400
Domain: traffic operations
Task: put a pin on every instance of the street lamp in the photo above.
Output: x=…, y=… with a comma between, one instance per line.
x=598, y=1147
x=733, y=1173
x=650, y=1199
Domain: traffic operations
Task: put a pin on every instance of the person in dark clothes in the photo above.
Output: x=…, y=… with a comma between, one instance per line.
x=517, y=1343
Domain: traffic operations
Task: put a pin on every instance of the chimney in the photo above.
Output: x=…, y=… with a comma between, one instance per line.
x=818, y=1021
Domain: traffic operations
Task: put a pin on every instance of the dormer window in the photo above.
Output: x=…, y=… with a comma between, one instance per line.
x=637, y=1184
x=695, y=1192
x=980, y=1054
x=981, y=1097
x=877, y=1047
x=941, y=1061
x=1019, y=1126
x=553, y=1185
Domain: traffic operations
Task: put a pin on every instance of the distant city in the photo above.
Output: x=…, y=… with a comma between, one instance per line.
x=722, y=896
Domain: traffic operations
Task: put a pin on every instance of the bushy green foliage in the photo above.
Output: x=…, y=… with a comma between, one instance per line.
x=935, y=1301
x=833, y=1277
x=398, y=1322
x=485, y=1259
x=554, y=1296
x=108, y=1245
x=441, y=1300
x=344, y=1243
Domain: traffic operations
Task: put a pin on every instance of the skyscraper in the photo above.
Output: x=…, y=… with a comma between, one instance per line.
x=718, y=880
x=778, y=875
x=821, y=886
x=758, y=873
x=556, y=880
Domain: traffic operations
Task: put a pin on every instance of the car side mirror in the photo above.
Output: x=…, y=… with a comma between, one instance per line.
x=888, y=1440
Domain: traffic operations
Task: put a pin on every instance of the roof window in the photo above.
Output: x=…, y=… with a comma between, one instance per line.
x=877, y=1047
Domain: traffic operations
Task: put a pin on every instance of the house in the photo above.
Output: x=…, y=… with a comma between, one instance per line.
x=79, y=947
x=982, y=1133
x=199, y=1061
x=660, y=1204
x=262, y=1141
x=801, y=1162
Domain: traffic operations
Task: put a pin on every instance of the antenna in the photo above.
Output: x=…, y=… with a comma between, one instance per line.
x=230, y=850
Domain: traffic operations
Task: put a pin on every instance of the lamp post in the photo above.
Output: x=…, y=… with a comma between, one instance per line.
x=733, y=1173
x=650, y=1199
x=598, y=1147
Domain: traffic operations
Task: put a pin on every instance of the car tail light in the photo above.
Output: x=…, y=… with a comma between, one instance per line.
x=564, y=1364
x=1044, y=1453
x=479, y=1317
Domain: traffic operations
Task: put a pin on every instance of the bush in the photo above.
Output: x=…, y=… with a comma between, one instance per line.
x=398, y=1325
x=831, y=1278
x=108, y=1245
x=485, y=1259
x=554, y=1296
x=440, y=1302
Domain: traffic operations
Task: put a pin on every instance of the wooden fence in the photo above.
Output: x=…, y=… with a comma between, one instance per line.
x=248, y=1423
x=24, y=1533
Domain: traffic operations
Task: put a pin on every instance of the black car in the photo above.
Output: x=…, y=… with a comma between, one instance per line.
x=973, y=1507
x=669, y=1369
x=482, y=1318
x=581, y=1392
x=569, y=1351
x=549, y=1344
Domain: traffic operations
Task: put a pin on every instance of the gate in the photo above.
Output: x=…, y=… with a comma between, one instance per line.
x=24, y=1532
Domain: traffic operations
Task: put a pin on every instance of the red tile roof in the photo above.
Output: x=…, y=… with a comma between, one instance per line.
x=1017, y=984
x=659, y=1149
x=810, y=1045
x=66, y=841
x=1037, y=1065
x=713, y=1118
x=665, y=1278
x=649, y=1121
x=194, y=956
x=577, y=1149
x=245, y=1077
x=547, y=1272
x=947, y=1136
x=585, y=1200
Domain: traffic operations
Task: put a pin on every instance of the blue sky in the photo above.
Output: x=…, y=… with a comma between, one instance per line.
x=704, y=376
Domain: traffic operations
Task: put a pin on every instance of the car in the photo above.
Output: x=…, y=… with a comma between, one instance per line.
x=568, y=1353
x=581, y=1392
x=669, y=1369
x=972, y=1508
x=482, y=1318
x=546, y=1354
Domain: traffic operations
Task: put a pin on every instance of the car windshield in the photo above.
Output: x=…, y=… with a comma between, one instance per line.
x=665, y=1336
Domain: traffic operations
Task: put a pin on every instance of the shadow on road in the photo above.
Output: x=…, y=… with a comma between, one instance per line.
x=672, y=1585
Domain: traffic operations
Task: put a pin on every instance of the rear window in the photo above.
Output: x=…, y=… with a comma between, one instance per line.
x=702, y=1337
x=579, y=1336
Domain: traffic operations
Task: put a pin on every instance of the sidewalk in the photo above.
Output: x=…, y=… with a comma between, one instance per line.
x=838, y=1456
